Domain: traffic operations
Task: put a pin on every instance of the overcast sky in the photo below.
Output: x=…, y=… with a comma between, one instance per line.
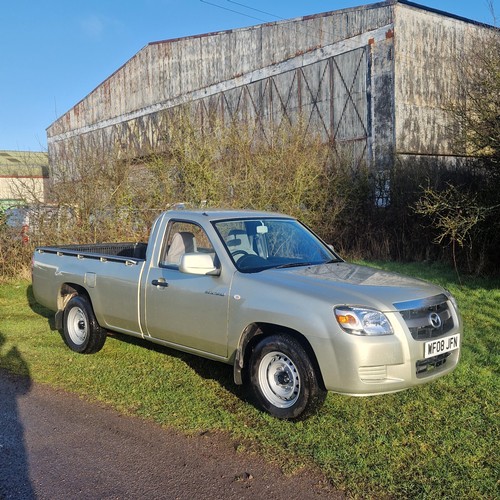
x=54, y=52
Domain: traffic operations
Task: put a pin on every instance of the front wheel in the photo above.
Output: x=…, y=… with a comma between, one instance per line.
x=284, y=380
x=82, y=332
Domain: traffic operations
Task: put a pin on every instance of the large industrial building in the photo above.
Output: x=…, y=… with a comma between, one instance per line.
x=375, y=79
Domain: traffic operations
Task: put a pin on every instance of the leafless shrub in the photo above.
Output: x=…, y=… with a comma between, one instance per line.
x=455, y=215
x=98, y=198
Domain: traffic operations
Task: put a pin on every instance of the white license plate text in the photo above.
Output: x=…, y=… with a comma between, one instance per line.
x=440, y=346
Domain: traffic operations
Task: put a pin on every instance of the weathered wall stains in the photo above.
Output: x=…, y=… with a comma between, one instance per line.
x=427, y=74
x=374, y=80
x=314, y=66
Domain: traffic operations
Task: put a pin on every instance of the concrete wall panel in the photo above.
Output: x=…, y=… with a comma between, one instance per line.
x=427, y=72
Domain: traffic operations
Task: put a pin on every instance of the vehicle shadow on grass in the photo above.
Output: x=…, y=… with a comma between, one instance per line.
x=15, y=479
x=205, y=368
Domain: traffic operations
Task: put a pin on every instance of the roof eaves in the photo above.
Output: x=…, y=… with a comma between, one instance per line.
x=442, y=13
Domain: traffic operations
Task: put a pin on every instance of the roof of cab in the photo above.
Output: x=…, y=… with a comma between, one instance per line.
x=222, y=214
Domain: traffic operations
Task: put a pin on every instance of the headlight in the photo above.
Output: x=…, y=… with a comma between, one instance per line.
x=363, y=321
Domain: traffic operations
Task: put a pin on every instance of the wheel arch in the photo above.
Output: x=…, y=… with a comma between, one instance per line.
x=66, y=292
x=254, y=333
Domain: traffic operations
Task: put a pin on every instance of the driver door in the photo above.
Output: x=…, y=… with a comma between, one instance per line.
x=186, y=309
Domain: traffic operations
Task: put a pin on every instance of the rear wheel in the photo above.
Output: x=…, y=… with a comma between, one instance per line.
x=283, y=378
x=82, y=332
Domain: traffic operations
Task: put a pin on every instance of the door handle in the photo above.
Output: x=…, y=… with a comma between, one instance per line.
x=162, y=283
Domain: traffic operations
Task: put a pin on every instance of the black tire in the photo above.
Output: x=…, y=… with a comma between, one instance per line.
x=82, y=332
x=283, y=378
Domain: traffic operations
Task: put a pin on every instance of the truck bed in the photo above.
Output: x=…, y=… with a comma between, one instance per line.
x=126, y=250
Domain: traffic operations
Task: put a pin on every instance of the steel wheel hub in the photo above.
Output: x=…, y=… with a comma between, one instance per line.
x=77, y=326
x=279, y=379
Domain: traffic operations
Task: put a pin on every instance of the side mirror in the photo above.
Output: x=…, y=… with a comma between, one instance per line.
x=198, y=263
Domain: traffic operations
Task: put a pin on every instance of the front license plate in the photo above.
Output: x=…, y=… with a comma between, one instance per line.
x=440, y=346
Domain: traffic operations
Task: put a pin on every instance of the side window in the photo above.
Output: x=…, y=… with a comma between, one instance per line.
x=184, y=237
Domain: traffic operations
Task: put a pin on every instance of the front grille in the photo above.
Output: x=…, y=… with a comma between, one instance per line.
x=426, y=365
x=427, y=319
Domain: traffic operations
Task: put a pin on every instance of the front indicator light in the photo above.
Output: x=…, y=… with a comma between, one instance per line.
x=363, y=321
x=346, y=319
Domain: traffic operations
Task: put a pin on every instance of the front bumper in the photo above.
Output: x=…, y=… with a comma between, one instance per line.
x=363, y=366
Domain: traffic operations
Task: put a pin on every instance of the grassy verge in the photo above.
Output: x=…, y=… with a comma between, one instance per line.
x=437, y=441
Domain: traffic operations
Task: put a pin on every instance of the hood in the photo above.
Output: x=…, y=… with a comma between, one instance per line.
x=343, y=283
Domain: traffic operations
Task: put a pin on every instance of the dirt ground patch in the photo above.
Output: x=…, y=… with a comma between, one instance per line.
x=55, y=445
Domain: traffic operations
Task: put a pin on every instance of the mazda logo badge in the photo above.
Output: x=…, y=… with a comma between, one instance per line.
x=435, y=320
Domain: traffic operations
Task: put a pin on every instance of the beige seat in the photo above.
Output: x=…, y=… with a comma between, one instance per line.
x=182, y=242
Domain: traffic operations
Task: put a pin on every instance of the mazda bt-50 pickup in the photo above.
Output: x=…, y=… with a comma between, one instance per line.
x=263, y=293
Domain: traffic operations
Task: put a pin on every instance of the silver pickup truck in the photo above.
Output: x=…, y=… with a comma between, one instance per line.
x=263, y=293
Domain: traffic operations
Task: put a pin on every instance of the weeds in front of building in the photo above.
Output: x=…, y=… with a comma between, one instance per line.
x=363, y=213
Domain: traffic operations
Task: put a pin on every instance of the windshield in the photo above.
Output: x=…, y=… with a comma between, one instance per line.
x=258, y=244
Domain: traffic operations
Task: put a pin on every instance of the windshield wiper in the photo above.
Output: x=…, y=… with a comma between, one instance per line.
x=297, y=264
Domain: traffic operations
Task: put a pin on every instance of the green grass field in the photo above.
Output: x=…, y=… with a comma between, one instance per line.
x=437, y=441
